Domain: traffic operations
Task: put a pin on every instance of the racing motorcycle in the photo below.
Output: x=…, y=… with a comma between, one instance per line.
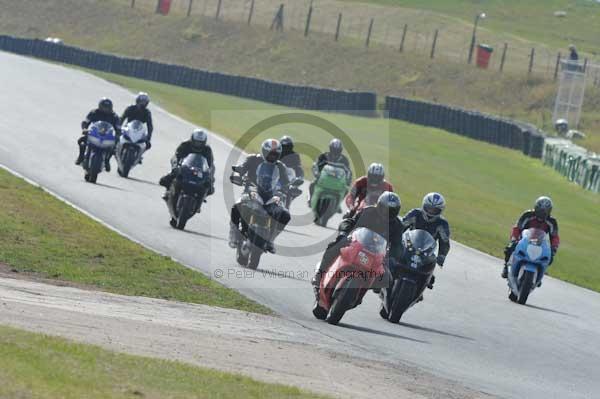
x=257, y=234
x=412, y=274
x=100, y=143
x=358, y=267
x=528, y=264
x=188, y=190
x=329, y=191
x=131, y=147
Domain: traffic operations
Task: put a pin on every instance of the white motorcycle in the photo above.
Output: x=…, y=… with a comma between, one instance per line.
x=131, y=147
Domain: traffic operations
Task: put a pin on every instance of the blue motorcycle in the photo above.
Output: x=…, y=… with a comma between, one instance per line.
x=101, y=139
x=528, y=264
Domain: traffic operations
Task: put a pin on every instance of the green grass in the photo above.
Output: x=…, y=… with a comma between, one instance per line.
x=42, y=236
x=487, y=187
x=530, y=19
x=38, y=366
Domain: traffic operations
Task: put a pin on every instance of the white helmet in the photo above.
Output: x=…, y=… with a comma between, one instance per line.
x=433, y=206
x=271, y=150
x=199, y=138
x=375, y=174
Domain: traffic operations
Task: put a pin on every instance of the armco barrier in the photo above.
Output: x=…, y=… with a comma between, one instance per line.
x=574, y=162
x=473, y=124
x=306, y=97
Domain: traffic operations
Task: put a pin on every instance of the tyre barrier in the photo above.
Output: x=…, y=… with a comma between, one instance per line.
x=476, y=125
x=305, y=97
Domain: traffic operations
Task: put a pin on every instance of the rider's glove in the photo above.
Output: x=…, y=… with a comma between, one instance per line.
x=440, y=260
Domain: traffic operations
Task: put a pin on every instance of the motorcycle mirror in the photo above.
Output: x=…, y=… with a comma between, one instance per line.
x=236, y=179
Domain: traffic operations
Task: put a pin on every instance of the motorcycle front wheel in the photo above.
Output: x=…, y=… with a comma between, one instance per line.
x=403, y=295
x=342, y=302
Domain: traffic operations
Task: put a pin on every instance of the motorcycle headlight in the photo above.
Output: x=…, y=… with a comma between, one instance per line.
x=534, y=252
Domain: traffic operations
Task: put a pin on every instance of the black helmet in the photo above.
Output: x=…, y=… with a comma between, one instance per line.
x=389, y=204
x=335, y=149
x=271, y=150
x=375, y=174
x=287, y=144
x=105, y=105
x=198, y=139
x=142, y=99
x=543, y=208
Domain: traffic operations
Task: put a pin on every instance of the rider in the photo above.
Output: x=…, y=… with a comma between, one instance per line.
x=104, y=113
x=140, y=112
x=381, y=218
x=260, y=170
x=373, y=183
x=195, y=145
x=333, y=156
x=538, y=217
x=429, y=218
x=290, y=158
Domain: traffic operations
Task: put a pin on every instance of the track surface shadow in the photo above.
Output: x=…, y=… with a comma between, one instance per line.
x=384, y=333
x=148, y=182
x=433, y=330
x=551, y=311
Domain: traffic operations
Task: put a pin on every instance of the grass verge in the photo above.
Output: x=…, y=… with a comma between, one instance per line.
x=43, y=237
x=487, y=187
x=35, y=365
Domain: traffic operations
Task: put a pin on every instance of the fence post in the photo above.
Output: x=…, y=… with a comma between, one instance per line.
x=308, y=17
x=218, y=13
x=503, y=59
x=337, y=28
x=531, y=58
x=278, y=20
x=401, y=49
x=132, y=3
x=435, y=36
x=250, y=13
x=189, y=11
x=585, y=62
x=369, y=32
x=558, y=57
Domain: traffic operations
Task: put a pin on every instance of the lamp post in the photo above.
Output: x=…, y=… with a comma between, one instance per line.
x=479, y=16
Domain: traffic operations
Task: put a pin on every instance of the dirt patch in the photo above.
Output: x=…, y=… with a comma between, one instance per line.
x=267, y=348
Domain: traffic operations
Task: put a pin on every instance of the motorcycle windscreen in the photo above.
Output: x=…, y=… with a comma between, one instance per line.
x=101, y=134
x=136, y=131
x=196, y=161
x=371, y=241
x=536, y=236
x=267, y=177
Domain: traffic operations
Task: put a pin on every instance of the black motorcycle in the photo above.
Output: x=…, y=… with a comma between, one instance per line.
x=256, y=236
x=188, y=190
x=411, y=275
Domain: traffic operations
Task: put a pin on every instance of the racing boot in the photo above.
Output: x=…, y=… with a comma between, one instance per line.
x=505, y=271
x=107, y=163
x=234, y=235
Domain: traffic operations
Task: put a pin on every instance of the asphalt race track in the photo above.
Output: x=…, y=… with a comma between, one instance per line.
x=465, y=330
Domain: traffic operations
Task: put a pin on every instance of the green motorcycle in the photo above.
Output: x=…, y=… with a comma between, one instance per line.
x=330, y=189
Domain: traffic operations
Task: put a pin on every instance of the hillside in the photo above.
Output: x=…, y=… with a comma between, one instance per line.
x=198, y=41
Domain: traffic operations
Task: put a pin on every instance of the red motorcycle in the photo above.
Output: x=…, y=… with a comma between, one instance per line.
x=351, y=275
